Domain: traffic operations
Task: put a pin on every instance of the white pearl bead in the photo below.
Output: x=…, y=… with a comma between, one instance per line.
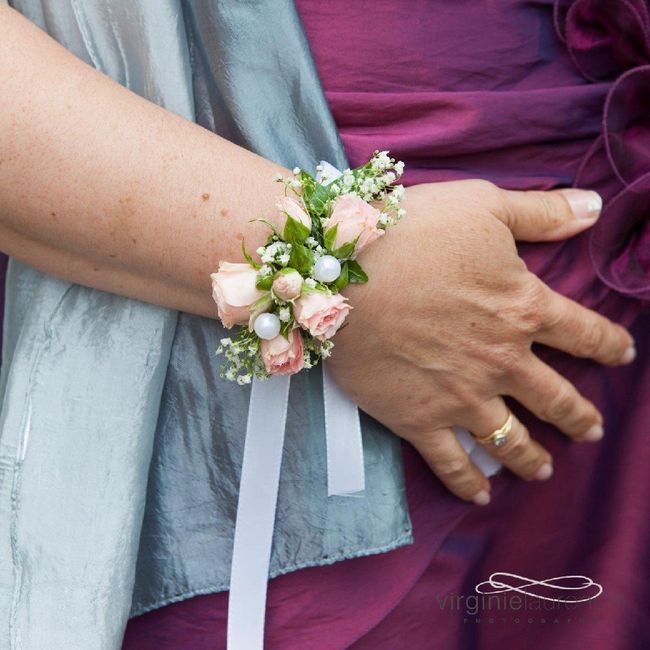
x=327, y=269
x=267, y=326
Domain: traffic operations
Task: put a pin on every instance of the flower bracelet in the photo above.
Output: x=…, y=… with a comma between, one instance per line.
x=290, y=305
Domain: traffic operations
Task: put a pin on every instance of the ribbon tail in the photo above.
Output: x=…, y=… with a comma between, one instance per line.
x=258, y=494
x=345, y=469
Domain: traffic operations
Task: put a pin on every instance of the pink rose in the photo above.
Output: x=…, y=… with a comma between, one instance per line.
x=321, y=314
x=234, y=291
x=283, y=356
x=354, y=218
x=287, y=284
x=289, y=207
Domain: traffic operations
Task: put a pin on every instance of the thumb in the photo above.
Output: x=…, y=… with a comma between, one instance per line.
x=549, y=216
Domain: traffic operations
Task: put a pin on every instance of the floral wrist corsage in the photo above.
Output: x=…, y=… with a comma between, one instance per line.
x=290, y=304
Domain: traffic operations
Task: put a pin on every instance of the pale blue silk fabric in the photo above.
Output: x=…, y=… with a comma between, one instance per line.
x=120, y=446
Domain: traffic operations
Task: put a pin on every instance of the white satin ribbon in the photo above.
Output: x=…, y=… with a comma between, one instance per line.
x=345, y=471
x=258, y=495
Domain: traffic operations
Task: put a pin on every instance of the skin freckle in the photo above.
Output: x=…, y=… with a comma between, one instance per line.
x=53, y=214
x=239, y=236
x=205, y=196
x=112, y=255
x=134, y=240
x=223, y=212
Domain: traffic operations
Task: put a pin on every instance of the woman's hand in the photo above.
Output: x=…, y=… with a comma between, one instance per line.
x=445, y=326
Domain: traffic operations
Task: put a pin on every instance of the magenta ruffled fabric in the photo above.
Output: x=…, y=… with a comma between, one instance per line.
x=610, y=42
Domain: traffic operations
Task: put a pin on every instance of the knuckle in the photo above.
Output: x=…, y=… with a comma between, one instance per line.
x=510, y=360
x=453, y=468
x=490, y=194
x=562, y=405
x=593, y=338
x=548, y=207
x=531, y=310
x=462, y=397
x=503, y=360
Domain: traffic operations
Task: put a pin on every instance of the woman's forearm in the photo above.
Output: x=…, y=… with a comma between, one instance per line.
x=103, y=188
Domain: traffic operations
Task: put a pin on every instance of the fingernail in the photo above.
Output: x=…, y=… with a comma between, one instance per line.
x=594, y=433
x=629, y=355
x=481, y=498
x=544, y=472
x=585, y=204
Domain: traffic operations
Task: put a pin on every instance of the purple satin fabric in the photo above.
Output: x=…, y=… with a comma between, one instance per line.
x=531, y=95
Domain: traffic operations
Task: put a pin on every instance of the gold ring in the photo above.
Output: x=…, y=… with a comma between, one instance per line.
x=498, y=437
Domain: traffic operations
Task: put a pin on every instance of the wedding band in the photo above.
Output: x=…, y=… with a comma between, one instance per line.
x=498, y=437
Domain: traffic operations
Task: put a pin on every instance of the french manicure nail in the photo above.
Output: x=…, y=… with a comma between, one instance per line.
x=481, y=498
x=585, y=204
x=629, y=355
x=544, y=472
x=594, y=433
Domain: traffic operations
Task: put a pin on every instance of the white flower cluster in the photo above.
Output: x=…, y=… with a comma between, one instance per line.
x=277, y=252
x=243, y=362
x=292, y=183
x=374, y=183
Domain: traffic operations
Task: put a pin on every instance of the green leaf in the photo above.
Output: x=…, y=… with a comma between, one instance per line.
x=356, y=274
x=318, y=199
x=329, y=237
x=247, y=257
x=301, y=259
x=342, y=281
x=285, y=328
x=344, y=251
x=295, y=232
x=264, y=283
x=308, y=185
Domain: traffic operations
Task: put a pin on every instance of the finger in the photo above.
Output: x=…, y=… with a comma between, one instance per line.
x=572, y=328
x=520, y=453
x=554, y=399
x=549, y=216
x=451, y=464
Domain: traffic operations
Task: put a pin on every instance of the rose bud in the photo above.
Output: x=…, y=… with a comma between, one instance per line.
x=289, y=207
x=287, y=284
